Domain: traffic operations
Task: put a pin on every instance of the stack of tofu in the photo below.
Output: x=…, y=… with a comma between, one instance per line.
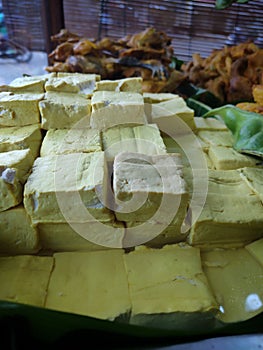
x=127, y=198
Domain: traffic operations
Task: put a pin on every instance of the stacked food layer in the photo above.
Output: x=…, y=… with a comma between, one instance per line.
x=127, y=197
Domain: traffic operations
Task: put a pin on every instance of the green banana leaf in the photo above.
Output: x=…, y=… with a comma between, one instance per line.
x=24, y=322
x=188, y=90
x=222, y=4
x=246, y=127
x=199, y=107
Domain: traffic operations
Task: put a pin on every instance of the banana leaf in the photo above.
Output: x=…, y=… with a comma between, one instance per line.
x=246, y=127
x=222, y=4
x=188, y=90
x=199, y=107
x=22, y=323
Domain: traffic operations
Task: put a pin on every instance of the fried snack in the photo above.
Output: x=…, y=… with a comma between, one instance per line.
x=229, y=73
x=146, y=54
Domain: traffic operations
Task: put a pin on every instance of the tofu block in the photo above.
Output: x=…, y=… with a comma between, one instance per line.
x=254, y=179
x=133, y=84
x=78, y=83
x=232, y=215
x=33, y=84
x=111, y=108
x=144, y=139
x=149, y=188
x=24, y=278
x=16, y=138
x=15, y=167
x=226, y=158
x=168, y=288
x=209, y=124
x=216, y=138
x=256, y=250
x=60, y=110
x=236, y=280
x=87, y=236
x=166, y=114
x=68, y=188
x=17, y=235
x=11, y=189
x=19, y=109
x=153, y=234
x=64, y=141
x=101, y=282
x=16, y=164
x=156, y=97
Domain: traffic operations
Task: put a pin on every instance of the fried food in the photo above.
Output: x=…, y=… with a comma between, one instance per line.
x=229, y=73
x=146, y=54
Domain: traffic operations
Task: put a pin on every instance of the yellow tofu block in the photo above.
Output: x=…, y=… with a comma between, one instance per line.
x=34, y=84
x=17, y=235
x=209, y=124
x=16, y=138
x=16, y=164
x=77, y=83
x=149, y=187
x=111, y=108
x=166, y=114
x=187, y=154
x=152, y=234
x=232, y=214
x=256, y=250
x=226, y=158
x=216, y=137
x=133, y=84
x=19, y=109
x=88, y=236
x=24, y=278
x=99, y=279
x=60, y=110
x=254, y=179
x=168, y=288
x=236, y=279
x=68, y=188
x=64, y=141
x=156, y=97
x=11, y=190
x=144, y=139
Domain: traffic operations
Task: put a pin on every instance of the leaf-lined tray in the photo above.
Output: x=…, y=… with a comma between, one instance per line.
x=56, y=327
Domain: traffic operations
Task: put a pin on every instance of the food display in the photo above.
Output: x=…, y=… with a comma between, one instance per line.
x=229, y=73
x=128, y=198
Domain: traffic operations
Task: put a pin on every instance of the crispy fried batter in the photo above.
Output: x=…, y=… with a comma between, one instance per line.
x=228, y=73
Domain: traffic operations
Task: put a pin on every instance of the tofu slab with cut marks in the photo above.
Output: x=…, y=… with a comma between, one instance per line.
x=99, y=279
x=144, y=139
x=31, y=84
x=226, y=158
x=24, y=278
x=64, y=141
x=69, y=187
x=166, y=114
x=19, y=109
x=16, y=138
x=77, y=83
x=232, y=214
x=168, y=288
x=62, y=110
x=17, y=235
x=149, y=187
x=88, y=236
x=133, y=84
x=111, y=108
